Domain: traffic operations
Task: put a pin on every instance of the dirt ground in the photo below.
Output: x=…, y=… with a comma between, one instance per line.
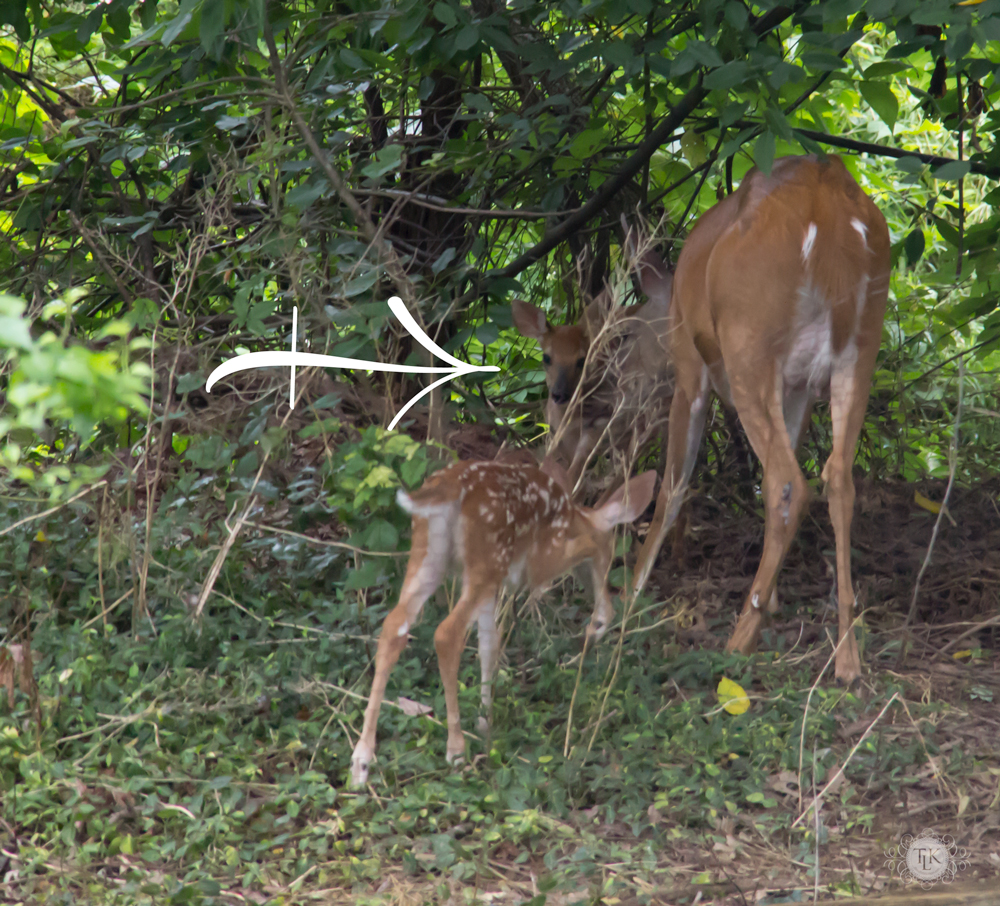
x=956, y=613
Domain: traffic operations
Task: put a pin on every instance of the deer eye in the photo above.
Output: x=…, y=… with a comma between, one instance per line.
x=546, y=359
x=580, y=361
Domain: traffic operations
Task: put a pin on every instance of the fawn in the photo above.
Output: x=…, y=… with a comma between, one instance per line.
x=609, y=374
x=498, y=522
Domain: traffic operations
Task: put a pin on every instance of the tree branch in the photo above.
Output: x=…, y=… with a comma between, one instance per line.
x=633, y=164
x=851, y=144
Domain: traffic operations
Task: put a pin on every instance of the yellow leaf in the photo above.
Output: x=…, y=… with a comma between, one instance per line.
x=971, y=2
x=40, y=536
x=966, y=653
x=928, y=505
x=732, y=697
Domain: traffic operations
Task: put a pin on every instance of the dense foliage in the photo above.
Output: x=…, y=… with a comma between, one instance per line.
x=194, y=579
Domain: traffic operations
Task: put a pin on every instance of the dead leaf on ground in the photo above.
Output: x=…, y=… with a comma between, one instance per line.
x=411, y=708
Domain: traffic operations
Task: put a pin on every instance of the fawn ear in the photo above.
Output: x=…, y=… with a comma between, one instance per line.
x=627, y=503
x=558, y=474
x=529, y=320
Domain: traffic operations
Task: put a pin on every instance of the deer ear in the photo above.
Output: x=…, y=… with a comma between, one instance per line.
x=529, y=319
x=655, y=279
x=557, y=473
x=627, y=503
x=594, y=315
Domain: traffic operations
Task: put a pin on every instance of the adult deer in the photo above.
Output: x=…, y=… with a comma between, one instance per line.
x=621, y=391
x=498, y=521
x=779, y=298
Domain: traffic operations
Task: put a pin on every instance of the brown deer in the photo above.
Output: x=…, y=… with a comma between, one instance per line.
x=498, y=522
x=607, y=375
x=779, y=298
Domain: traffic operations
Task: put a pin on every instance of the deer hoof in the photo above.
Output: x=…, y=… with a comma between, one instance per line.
x=360, y=761
x=596, y=630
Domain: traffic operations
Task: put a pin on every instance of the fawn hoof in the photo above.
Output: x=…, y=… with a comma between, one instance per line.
x=360, y=761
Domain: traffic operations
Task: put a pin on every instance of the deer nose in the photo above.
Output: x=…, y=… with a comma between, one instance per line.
x=561, y=391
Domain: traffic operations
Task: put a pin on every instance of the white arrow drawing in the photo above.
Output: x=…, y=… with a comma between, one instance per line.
x=296, y=359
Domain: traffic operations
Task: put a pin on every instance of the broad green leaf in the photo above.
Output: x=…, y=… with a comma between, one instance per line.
x=728, y=76
x=882, y=100
x=956, y=169
x=361, y=283
x=445, y=15
x=213, y=22
x=178, y=23
x=763, y=152
x=467, y=37
x=886, y=68
x=913, y=245
x=13, y=328
x=910, y=164
x=703, y=53
x=386, y=160
x=948, y=233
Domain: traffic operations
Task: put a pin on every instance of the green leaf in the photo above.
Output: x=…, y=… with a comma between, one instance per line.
x=361, y=283
x=732, y=113
x=382, y=536
x=365, y=577
x=478, y=102
x=882, y=100
x=14, y=12
x=190, y=381
x=467, y=37
x=445, y=15
x=13, y=328
x=213, y=22
x=778, y=123
x=444, y=259
x=913, y=245
x=728, y=76
x=385, y=161
x=178, y=23
x=763, y=152
x=910, y=164
x=954, y=170
x=703, y=53
x=886, y=68
x=948, y=233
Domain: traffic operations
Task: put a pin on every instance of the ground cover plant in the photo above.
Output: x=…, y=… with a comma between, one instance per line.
x=191, y=583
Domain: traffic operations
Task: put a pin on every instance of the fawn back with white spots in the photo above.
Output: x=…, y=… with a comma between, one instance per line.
x=499, y=522
x=623, y=391
x=779, y=298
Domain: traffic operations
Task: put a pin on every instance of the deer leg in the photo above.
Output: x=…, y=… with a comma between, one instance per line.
x=449, y=640
x=688, y=413
x=848, y=400
x=785, y=497
x=489, y=655
x=604, y=612
x=423, y=575
x=581, y=454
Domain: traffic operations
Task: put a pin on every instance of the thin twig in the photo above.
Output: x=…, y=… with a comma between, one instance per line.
x=952, y=465
x=338, y=544
x=847, y=761
x=55, y=509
